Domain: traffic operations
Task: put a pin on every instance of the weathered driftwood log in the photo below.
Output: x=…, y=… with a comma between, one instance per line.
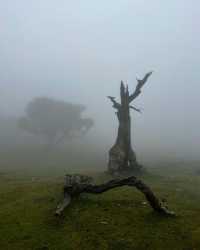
x=76, y=184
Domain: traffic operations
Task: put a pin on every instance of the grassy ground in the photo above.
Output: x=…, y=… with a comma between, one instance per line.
x=118, y=219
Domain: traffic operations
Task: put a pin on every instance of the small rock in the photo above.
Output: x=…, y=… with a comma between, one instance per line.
x=104, y=222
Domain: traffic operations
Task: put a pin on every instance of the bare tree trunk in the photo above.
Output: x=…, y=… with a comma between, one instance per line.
x=122, y=158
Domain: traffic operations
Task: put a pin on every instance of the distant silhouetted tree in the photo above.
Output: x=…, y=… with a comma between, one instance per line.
x=54, y=120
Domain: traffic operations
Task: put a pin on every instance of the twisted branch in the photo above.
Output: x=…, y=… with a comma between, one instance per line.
x=116, y=105
x=139, y=86
x=74, y=188
x=134, y=108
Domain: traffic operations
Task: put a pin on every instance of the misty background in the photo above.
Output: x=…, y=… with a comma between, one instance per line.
x=79, y=51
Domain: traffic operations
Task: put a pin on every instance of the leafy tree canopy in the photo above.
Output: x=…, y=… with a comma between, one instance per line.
x=54, y=119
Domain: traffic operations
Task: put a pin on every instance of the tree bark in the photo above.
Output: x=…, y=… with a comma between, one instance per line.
x=73, y=188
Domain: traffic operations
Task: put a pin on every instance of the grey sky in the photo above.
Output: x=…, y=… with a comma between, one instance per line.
x=80, y=50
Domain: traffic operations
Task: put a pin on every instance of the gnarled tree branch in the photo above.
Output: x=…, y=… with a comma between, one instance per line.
x=116, y=105
x=139, y=86
x=134, y=108
x=75, y=188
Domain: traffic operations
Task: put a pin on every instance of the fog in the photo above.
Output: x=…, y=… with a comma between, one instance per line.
x=79, y=51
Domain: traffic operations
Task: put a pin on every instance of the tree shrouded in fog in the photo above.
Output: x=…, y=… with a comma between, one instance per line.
x=122, y=158
x=54, y=120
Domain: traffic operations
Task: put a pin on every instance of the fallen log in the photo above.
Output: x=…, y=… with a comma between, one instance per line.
x=77, y=184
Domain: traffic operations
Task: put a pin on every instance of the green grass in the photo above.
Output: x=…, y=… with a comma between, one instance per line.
x=118, y=219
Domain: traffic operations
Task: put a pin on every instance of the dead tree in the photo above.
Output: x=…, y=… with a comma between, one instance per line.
x=122, y=158
x=77, y=184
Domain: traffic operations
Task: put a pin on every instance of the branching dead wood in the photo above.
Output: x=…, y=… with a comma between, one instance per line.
x=122, y=158
x=75, y=186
